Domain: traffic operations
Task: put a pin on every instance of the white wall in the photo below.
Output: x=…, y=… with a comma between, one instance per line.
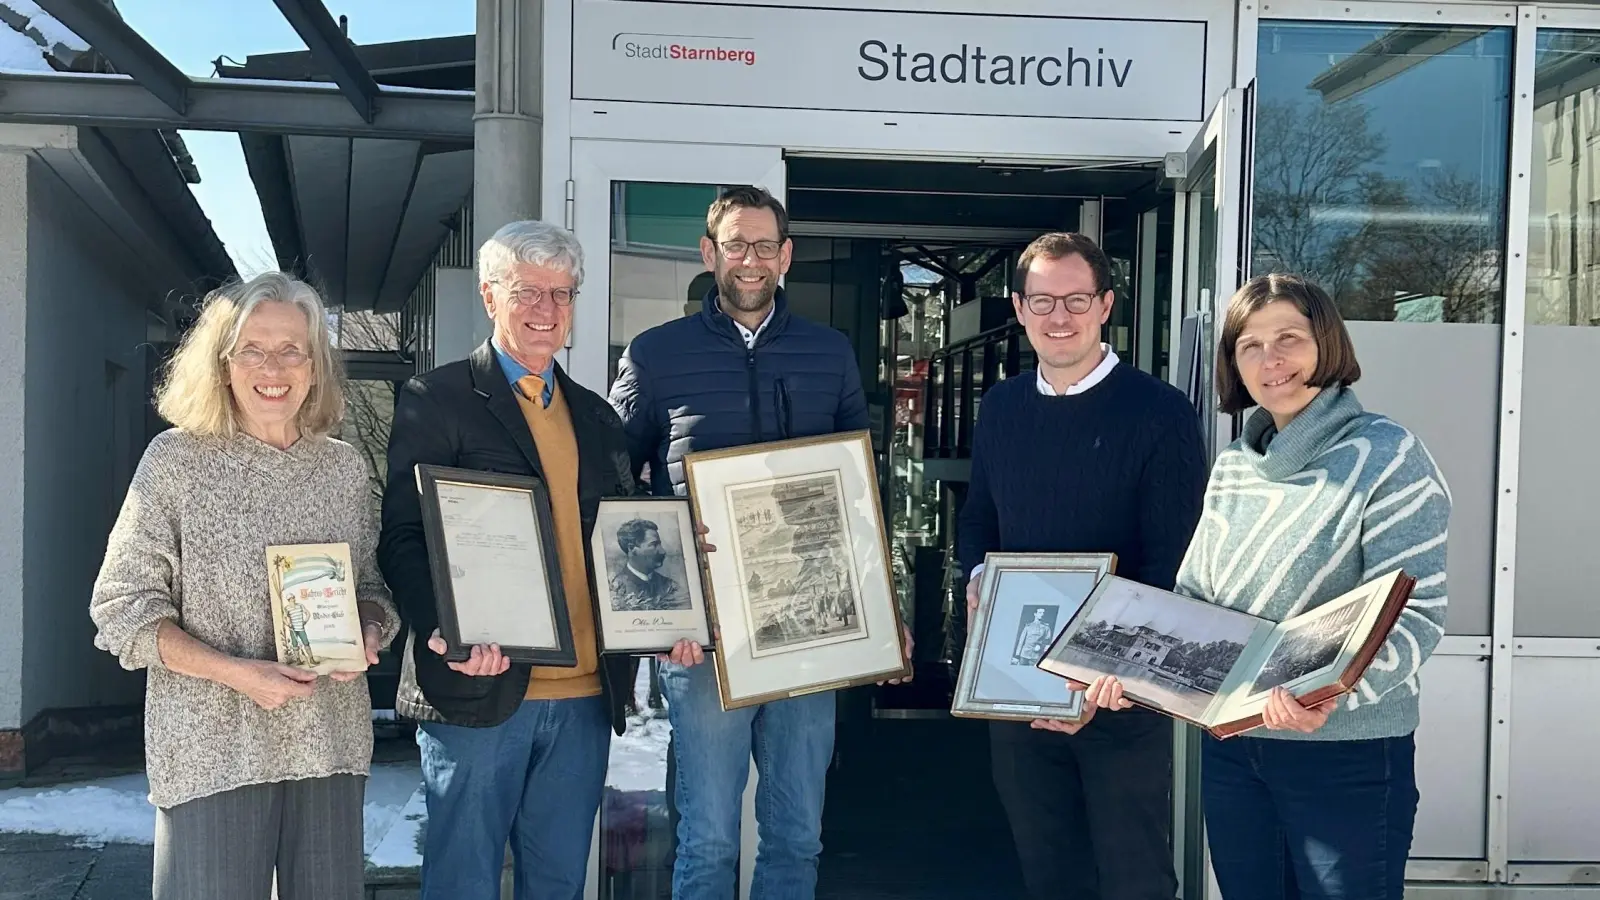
x=84, y=431
x=13, y=296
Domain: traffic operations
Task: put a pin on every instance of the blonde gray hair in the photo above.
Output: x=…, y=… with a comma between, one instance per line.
x=534, y=242
x=194, y=394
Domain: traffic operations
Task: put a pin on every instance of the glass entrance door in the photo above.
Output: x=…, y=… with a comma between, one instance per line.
x=1210, y=243
x=639, y=210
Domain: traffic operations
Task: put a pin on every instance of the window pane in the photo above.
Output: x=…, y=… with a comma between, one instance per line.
x=656, y=276
x=1559, y=510
x=1564, y=231
x=655, y=256
x=1381, y=165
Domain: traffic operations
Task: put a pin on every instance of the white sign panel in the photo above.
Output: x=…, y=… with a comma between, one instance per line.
x=923, y=62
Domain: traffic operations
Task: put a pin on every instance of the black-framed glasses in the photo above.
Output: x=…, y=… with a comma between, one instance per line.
x=739, y=249
x=1045, y=304
x=255, y=358
x=529, y=297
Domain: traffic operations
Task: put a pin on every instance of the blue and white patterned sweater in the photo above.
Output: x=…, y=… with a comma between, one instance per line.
x=1339, y=497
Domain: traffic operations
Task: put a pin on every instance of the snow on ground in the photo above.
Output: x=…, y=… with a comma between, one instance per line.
x=117, y=810
x=639, y=757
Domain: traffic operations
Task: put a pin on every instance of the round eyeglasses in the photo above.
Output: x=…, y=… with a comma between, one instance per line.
x=254, y=358
x=1045, y=304
x=529, y=297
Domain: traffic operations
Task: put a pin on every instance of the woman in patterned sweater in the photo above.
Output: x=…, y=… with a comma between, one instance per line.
x=1315, y=498
x=255, y=767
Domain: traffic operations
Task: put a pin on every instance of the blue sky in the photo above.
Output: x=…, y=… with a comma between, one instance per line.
x=193, y=35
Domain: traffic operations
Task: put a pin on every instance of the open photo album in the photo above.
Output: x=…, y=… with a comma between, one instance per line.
x=1216, y=667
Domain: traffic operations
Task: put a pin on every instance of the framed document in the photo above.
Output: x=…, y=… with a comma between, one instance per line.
x=650, y=592
x=800, y=582
x=496, y=576
x=1215, y=667
x=314, y=619
x=1024, y=601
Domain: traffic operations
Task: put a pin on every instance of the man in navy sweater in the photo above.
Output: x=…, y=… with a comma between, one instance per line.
x=1088, y=455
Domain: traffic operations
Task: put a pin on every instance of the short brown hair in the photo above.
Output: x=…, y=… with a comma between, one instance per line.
x=1060, y=245
x=745, y=198
x=1336, y=355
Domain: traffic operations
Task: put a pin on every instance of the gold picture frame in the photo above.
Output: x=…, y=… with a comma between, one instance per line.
x=800, y=585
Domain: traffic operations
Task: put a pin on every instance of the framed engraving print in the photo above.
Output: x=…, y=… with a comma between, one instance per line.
x=496, y=577
x=649, y=593
x=314, y=620
x=1025, y=599
x=800, y=581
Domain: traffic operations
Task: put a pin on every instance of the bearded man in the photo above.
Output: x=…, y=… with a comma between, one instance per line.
x=740, y=371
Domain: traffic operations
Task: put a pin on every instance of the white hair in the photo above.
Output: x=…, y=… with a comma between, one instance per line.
x=533, y=242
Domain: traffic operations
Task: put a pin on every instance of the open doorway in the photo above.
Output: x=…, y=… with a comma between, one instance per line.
x=915, y=261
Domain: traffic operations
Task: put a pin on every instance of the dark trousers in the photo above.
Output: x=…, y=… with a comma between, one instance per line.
x=306, y=831
x=1091, y=813
x=1289, y=819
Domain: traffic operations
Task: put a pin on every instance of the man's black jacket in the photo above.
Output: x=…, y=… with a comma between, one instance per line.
x=465, y=414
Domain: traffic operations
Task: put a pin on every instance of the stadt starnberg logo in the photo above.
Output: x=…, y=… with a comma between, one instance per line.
x=684, y=47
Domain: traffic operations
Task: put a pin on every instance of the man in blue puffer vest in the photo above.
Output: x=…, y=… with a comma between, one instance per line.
x=741, y=371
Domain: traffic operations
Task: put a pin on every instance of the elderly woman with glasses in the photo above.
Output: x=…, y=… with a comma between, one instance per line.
x=256, y=768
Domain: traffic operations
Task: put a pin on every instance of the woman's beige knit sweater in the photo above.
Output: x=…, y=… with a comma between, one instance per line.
x=190, y=545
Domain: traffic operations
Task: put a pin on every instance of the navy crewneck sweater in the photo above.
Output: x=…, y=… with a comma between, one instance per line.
x=1119, y=468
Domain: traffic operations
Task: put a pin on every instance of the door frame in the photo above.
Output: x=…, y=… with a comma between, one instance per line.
x=1219, y=162
x=596, y=166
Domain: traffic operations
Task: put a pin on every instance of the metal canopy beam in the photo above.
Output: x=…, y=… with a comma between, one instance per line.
x=332, y=51
x=100, y=26
x=271, y=107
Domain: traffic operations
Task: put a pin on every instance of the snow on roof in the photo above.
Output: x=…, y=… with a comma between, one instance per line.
x=53, y=36
x=20, y=53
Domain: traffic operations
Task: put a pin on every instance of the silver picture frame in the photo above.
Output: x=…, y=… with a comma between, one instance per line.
x=1024, y=602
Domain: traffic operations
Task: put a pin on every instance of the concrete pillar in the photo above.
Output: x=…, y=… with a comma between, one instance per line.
x=14, y=307
x=508, y=128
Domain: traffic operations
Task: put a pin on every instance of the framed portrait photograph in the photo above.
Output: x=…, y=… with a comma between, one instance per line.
x=1024, y=601
x=800, y=581
x=496, y=576
x=649, y=593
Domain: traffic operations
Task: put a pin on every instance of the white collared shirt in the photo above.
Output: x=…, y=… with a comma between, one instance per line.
x=1093, y=378
x=750, y=336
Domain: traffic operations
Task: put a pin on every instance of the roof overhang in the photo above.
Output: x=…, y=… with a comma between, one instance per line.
x=360, y=179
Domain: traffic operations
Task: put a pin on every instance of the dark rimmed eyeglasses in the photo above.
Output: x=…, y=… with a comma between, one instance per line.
x=1045, y=304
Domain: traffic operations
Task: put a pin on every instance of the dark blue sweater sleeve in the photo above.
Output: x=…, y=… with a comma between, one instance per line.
x=1172, y=490
x=978, y=525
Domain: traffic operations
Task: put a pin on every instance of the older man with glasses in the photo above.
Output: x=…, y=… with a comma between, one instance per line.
x=510, y=751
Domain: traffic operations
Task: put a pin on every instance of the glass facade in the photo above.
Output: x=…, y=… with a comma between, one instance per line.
x=1381, y=172
x=1381, y=165
x=1556, y=563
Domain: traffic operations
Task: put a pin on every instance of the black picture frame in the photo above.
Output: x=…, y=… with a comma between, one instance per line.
x=429, y=477
x=697, y=616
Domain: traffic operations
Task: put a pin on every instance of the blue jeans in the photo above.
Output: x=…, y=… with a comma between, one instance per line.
x=793, y=745
x=534, y=779
x=1312, y=819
